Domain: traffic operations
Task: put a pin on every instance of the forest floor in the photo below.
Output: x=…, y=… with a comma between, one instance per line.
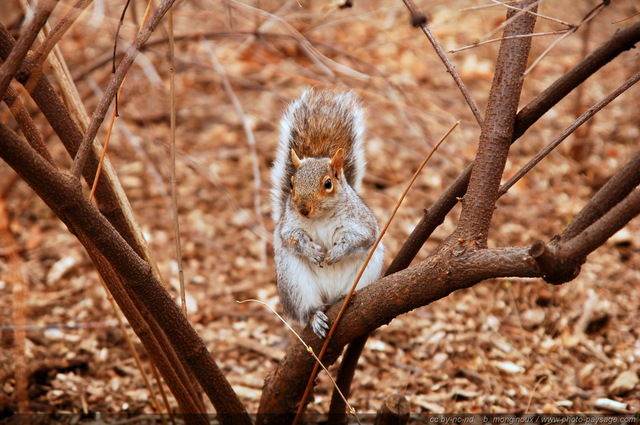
x=508, y=345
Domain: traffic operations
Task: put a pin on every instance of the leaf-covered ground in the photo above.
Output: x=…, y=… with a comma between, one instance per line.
x=510, y=345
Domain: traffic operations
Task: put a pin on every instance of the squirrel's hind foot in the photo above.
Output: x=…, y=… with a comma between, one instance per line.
x=320, y=324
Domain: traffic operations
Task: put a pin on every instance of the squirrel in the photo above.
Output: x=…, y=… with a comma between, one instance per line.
x=324, y=230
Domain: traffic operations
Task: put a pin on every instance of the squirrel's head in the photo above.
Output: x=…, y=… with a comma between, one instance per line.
x=315, y=183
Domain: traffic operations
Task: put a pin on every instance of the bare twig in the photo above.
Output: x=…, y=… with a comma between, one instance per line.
x=251, y=140
x=324, y=63
x=49, y=42
x=497, y=132
x=114, y=85
x=493, y=40
x=518, y=12
x=133, y=351
x=539, y=15
x=28, y=127
x=567, y=132
x=172, y=154
x=29, y=33
x=447, y=63
x=619, y=42
x=589, y=16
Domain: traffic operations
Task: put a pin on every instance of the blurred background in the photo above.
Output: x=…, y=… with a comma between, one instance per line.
x=502, y=346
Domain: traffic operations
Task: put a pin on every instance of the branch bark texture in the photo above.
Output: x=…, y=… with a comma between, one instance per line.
x=497, y=131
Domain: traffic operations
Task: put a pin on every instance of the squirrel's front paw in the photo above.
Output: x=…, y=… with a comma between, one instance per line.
x=320, y=324
x=308, y=248
x=335, y=254
x=315, y=253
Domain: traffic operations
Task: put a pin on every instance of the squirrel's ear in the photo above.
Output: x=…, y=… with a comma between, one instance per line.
x=294, y=159
x=337, y=161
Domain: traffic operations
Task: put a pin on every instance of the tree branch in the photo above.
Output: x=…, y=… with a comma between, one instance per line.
x=112, y=89
x=28, y=35
x=54, y=110
x=497, y=132
x=63, y=194
x=620, y=42
x=609, y=195
x=561, y=259
x=378, y=304
x=419, y=19
x=28, y=127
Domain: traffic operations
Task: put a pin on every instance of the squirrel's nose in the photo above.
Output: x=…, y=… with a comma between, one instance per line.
x=304, y=210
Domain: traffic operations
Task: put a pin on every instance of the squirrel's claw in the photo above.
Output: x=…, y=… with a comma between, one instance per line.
x=320, y=324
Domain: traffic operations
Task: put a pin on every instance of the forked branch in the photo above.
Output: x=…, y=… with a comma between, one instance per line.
x=497, y=131
x=560, y=260
x=64, y=196
x=620, y=42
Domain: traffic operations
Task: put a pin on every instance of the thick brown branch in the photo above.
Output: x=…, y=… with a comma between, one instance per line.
x=497, y=132
x=46, y=98
x=27, y=126
x=378, y=304
x=560, y=260
x=64, y=196
x=620, y=42
x=609, y=195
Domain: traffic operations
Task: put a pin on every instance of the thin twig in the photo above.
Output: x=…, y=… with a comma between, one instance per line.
x=589, y=16
x=132, y=349
x=49, y=42
x=21, y=48
x=323, y=62
x=172, y=154
x=493, y=40
x=539, y=15
x=447, y=63
x=116, y=81
x=509, y=20
x=567, y=132
x=309, y=350
x=27, y=126
x=255, y=164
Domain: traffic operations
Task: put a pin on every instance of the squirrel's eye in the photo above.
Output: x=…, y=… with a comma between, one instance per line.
x=328, y=184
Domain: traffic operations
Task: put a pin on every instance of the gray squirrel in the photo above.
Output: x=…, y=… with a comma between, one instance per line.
x=324, y=230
